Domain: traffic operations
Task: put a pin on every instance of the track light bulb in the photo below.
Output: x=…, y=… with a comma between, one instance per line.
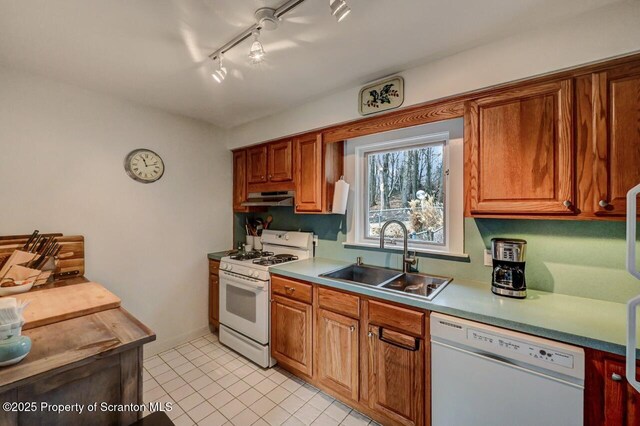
x=221, y=72
x=256, y=53
x=339, y=9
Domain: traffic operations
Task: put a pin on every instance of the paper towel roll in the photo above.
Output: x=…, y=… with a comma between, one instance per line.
x=340, y=196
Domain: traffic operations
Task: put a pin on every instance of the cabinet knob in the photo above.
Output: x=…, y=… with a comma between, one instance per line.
x=262, y=177
x=616, y=377
x=289, y=290
x=270, y=176
x=567, y=203
x=370, y=334
x=352, y=328
x=603, y=203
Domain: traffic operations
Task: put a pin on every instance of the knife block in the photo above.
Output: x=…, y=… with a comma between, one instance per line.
x=20, y=273
x=18, y=257
x=13, y=268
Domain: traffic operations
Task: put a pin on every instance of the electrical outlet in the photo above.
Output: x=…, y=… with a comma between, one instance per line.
x=488, y=260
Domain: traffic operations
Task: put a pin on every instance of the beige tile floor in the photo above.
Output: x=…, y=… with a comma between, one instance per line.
x=209, y=384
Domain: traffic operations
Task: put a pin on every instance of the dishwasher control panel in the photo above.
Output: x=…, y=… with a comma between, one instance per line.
x=507, y=345
x=536, y=352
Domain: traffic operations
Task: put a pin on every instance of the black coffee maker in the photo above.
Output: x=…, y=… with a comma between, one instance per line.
x=508, y=267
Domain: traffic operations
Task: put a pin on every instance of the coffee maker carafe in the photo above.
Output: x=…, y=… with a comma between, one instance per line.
x=508, y=267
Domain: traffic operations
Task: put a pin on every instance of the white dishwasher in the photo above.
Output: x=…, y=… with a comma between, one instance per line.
x=484, y=375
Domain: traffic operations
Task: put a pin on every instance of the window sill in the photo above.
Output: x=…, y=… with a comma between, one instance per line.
x=460, y=257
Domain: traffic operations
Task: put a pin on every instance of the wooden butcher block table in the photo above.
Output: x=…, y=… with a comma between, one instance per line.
x=85, y=349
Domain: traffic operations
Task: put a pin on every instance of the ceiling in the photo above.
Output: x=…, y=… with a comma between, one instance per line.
x=155, y=52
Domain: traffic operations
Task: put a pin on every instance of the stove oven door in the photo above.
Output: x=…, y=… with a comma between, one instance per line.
x=244, y=305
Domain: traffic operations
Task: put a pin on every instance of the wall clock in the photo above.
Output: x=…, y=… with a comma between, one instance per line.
x=144, y=165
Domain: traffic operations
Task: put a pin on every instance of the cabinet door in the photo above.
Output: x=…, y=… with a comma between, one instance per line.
x=280, y=161
x=520, y=151
x=621, y=401
x=214, y=300
x=239, y=181
x=309, y=174
x=616, y=145
x=291, y=323
x=257, y=164
x=396, y=375
x=337, y=349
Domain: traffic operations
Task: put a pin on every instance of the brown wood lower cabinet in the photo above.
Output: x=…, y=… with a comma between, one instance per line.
x=353, y=348
x=291, y=333
x=396, y=375
x=214, y=294
x=337, y=352
x=609, y=399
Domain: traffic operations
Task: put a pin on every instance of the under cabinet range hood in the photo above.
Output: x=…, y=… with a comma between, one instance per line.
x=275, y=198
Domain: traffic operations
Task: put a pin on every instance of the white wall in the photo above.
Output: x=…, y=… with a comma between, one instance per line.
x=62, y=151
x=610, y=31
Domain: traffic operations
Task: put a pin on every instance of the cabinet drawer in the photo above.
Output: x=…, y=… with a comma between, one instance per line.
x=401, y=319
x=342, y=303
x=292, y=289
x=214, y=267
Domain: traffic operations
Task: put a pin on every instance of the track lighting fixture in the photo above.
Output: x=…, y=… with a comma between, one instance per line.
x=256, y=53
x=339, y=9
x=267, y=19
x=221, y=72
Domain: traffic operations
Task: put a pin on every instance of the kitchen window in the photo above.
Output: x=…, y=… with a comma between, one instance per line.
x=415, y=178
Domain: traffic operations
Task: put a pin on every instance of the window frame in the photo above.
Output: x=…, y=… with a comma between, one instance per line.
x=452, y=185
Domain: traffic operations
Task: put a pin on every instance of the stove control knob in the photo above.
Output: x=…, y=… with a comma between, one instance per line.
x=229, y=268
x=223, y=266
x=255, y=274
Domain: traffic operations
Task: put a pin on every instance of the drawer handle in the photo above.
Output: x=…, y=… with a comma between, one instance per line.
x=616, y=377
x=289, y=290
x=398, y=345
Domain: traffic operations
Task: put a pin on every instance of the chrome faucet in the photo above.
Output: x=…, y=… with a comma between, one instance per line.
x=407, y=261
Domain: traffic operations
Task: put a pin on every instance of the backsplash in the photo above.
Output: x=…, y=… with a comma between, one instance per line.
x=580, y=258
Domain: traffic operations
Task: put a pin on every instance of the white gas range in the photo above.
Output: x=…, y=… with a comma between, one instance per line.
x=244, y=292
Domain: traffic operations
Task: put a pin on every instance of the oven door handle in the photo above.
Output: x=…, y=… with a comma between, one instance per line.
x=257, y=286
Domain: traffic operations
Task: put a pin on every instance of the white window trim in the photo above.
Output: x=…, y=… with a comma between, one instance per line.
x=453, y=200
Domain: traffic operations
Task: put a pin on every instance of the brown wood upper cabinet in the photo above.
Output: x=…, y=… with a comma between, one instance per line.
x=520, y=151
x=270, y=167
x=280, y=161
x=257, y=164
x=239, y=180
x=318, y=167
x=616, y=137
x=309, y=174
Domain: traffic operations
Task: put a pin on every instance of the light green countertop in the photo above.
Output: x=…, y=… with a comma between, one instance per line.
x=218, y=255
x=584, y=322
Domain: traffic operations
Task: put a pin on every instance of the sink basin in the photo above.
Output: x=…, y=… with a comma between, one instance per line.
x=361, y=274
x=411, y=284
x=418, y=284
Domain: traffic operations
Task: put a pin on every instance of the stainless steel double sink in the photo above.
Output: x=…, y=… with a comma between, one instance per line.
x=417, y=285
